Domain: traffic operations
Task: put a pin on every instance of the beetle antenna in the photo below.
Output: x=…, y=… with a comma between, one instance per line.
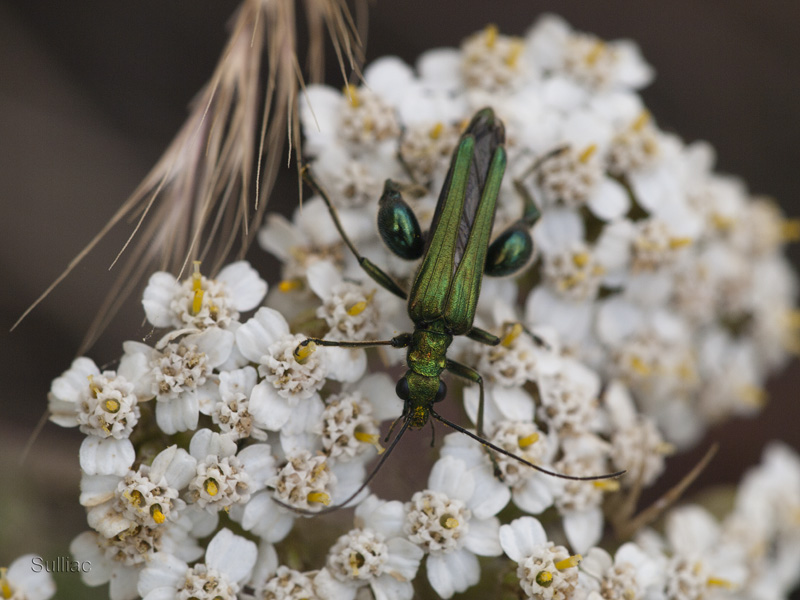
x=491, y=446
x=361, y=488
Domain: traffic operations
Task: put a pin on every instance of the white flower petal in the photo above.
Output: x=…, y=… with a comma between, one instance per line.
x=403, y=558
x=379, y=388
x=269, y=409
x=31, y=585
x=387, y=518
x=450, y=476
x=106, y=456
x=322, y=277
x=163, y=570
x=160, y=291
x=178, y=414
x=388, y=76
x=520, y=538
x=71, y=385
x=328, y=587
x=123, y=584
x=453, y=572
x=85, y=547
x=107, y=521
x=490, y=495
x=258, y=462
x=264, y=517
x=255, y=336
x=215, y=343
x=278, y=237
x=386, y=587
x=557, y=230
x=691, y=529
x=583, y=528
x=244, y=286
x=533, y=496
x=441, y=68
x=483, y=537
x=610, y=200
x=210, y=443
x=345, y=364
x=596, y=562
x=231, y=554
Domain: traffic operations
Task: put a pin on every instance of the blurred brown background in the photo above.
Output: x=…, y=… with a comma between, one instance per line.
x=91, y=93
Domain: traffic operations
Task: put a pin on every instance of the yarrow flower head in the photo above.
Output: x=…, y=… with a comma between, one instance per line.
x=229, y=561
x=453, y=521
x=200, y=302
x=545, y=571
x=104, y=407
x=654, y=300
x=20, y=581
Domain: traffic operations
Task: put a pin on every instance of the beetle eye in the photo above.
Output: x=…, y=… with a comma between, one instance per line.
x=441, y=392
x=401, y=389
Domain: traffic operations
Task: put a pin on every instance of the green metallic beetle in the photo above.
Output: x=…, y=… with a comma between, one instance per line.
x=447, y=284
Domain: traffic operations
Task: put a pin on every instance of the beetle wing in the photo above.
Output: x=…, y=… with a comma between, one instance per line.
x=429, y=292
x=462, y=297
x=454, y=223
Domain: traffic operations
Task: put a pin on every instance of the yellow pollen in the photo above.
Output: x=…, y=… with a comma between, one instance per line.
x=111, y=405
x=318, y=470
x=5, y=586
x=289, y=285
x=665, y=448
x=352, y=95
x=528, y=440
x=544, y=578
x=580, y=259
x=197, y=301
x=157, y=515
x=370, y=438
x=638, y=365
x=793, y=318
x=607, y=485
x=136, y=498
x=753, y=396
x=319, y=498
x=718, y=582
x=642, y=120
x=211, y=487
x=491, y=32
x=197, y=278
x=572, y=280
x=357, y=308
x=679, y=242
x=448, y=522
x=356, y=560
x=512, y=334
x=567, y=563
x=514, y=53
x=594, y=54
x=721, y=222
x=587, y=153
x=93, y=387
x=436, y=131
x=686, y=371
x=302, y=353
x=790, y=230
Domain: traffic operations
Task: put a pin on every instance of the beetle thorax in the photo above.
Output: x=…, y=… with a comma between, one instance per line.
x=427, y=352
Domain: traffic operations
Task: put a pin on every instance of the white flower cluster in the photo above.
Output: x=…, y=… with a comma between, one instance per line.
x=656, y=302
x=653, y=269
